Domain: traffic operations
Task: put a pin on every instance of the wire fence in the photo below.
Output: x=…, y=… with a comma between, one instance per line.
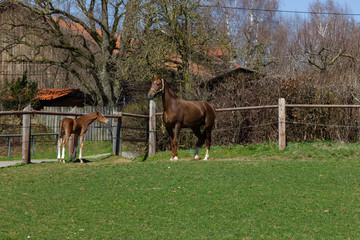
x=233, y=126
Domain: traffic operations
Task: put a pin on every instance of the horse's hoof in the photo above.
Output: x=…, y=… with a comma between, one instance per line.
x=174, y=158
x=196, y=157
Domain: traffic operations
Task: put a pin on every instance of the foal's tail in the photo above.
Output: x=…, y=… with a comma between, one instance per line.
x=61, y=128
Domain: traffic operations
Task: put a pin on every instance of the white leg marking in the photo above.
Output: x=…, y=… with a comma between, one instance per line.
x=80, y=154
x=63, y=154
x=174, y=158
x=59, y=148
x=59, y=151
x=196, y=157
x=206, y=155
x=81, y=147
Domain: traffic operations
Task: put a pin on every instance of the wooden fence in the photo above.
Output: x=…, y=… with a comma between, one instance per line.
x=116, y=127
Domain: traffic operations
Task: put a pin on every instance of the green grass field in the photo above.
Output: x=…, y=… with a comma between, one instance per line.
x=47, y=150
x=308, y=191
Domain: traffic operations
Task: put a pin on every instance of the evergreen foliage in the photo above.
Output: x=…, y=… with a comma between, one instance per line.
x=18, y=93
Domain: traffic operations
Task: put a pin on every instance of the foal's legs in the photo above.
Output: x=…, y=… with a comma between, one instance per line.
x=59, y=146
x=81, y=147
x=66, y=139
x=76, y=143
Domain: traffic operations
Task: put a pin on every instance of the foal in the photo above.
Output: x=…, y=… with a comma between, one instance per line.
x=77, y=126
x=179, y=113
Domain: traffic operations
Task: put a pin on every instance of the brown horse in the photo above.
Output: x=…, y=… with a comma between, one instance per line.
x=78, y=127
x=179, y=113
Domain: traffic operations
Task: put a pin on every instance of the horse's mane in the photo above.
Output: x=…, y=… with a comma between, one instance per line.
x=171, y=92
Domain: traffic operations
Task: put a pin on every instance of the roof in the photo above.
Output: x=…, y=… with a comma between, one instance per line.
x=50, y=94
x=214, y=81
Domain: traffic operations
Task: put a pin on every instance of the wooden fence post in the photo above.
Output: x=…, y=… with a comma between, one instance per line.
x=282, y=126
x=26, y=135
x=117, y=142
x=152, y=128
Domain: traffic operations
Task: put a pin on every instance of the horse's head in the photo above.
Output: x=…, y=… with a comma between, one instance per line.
x=157, y=86
x=101, y=118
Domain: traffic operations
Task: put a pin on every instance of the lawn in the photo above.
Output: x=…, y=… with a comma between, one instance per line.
x=309, y=191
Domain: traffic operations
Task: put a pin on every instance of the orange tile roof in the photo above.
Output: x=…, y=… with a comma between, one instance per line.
x=50, y=94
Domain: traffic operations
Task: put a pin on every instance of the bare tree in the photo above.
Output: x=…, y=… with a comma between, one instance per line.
x=186, y=36
x=92, y=40
x=256, y=29
x=324, y=39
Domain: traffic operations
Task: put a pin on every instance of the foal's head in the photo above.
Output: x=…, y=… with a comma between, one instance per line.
x=101, y=118
x=157, y=86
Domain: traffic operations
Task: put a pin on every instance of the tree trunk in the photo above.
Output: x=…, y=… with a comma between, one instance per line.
x=105, y=56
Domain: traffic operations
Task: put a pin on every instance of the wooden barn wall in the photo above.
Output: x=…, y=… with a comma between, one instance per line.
x=45, y=75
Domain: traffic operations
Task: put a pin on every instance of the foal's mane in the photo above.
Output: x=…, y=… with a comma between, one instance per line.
x=88, y=115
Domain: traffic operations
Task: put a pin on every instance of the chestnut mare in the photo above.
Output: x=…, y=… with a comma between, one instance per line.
x=77, y=126
x=179, y=113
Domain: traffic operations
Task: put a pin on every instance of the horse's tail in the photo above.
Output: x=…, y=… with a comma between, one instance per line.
x=213, y=107
x=210, y=115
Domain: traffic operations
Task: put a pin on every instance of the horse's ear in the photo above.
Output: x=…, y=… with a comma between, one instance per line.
x=97, y=112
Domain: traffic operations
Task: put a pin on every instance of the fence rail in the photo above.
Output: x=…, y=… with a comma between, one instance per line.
x=320, y=106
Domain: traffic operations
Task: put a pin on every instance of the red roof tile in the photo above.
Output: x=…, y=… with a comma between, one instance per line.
x=50, y=94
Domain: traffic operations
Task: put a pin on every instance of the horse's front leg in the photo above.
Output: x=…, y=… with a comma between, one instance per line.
x=175, y=142
x=171, y=138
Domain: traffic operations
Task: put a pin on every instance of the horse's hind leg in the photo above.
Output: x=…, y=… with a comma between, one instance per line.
x=201, y=140
x=208, y=143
